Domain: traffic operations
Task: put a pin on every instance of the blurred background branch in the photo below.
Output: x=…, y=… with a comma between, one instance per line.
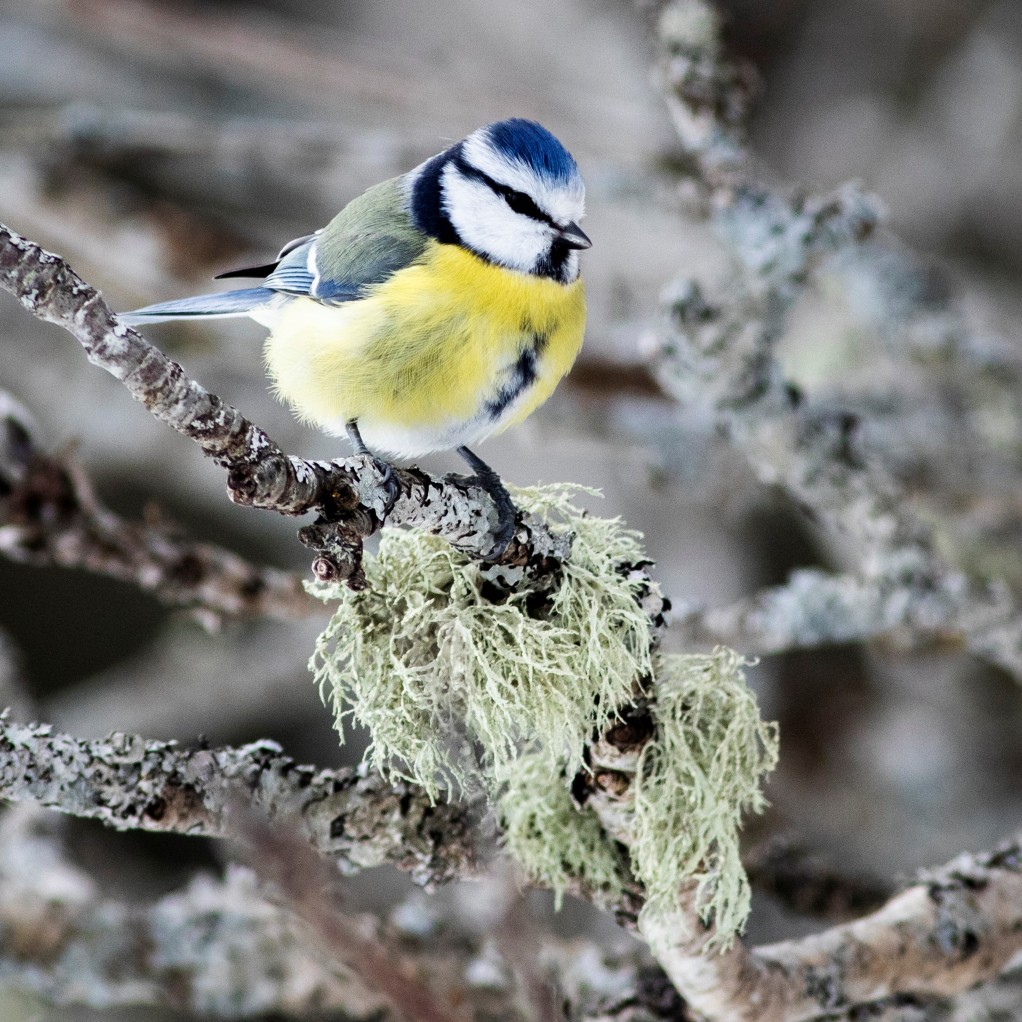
x=856, y=520
x=50, y=515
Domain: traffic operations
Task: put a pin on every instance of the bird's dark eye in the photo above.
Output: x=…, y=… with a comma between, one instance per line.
x=521, y=203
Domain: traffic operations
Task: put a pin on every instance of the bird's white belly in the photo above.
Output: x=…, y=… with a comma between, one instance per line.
x=415, y=441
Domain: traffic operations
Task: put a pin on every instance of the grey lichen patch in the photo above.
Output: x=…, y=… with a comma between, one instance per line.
x=433, y=661
x=694, y=781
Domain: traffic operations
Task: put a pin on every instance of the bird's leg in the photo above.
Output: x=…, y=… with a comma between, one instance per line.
x=506, y=510
x=386, y=470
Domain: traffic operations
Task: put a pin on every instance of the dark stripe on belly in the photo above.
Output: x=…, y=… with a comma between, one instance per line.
x=520, y=376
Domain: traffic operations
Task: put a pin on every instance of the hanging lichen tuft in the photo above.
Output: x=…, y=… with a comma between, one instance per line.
x=462, y=687
x=701, y=772
x=433, y=667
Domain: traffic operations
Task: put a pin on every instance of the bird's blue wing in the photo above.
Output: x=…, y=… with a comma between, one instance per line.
x=368, y=241
x=224, y=305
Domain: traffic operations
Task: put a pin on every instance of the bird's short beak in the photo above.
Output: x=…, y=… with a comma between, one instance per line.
x=574, y=237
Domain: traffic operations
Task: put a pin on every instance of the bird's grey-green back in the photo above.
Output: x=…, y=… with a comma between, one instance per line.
x=370, y=239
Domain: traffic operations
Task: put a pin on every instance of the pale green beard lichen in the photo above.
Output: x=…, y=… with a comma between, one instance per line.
x=555, y=841
x=696, y=777
x=694, y=781
x=428, y=662
x=457, y=689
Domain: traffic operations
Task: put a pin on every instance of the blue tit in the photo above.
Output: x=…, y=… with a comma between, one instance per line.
x=437, y=308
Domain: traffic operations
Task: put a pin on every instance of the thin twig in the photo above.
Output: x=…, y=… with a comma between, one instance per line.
x=282, y=858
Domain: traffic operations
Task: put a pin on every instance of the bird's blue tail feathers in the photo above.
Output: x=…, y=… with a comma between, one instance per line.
x=216, y=306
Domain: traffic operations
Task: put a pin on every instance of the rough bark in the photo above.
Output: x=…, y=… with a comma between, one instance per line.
x=955, y=927
x=128, y=782
x=50, y=515
x=958, y=926
x=222, y=947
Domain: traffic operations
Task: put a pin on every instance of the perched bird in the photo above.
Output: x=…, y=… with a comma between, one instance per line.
x=435, y=309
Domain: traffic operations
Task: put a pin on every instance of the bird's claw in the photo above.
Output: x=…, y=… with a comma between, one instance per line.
x=388, y=477
x=507, y=513
x=388, y=483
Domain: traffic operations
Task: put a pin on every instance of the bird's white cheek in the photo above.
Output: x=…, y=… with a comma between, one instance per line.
x=486, y=223
x=563, y=200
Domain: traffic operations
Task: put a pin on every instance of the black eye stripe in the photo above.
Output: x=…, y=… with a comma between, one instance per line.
x=518, y=201
x=521, y=203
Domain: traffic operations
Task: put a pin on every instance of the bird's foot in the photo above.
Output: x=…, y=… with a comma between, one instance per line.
x=388, y=482
x=388, y=477
x=506, y=510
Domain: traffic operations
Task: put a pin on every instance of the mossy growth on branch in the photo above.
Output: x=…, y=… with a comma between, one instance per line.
x=462, y=689
x=693, y=783
x=433, y=666
x=559, y=845
x=694, y=780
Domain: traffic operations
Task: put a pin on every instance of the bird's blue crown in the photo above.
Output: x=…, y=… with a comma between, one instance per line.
x=508, y=193
x=524, y=141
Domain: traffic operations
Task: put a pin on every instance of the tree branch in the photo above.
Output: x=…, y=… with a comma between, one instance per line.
x=219, y=947
x=283, y=859
x=131, y=783
x=816, y=608
x=721, y=351
x=958, y=926
x=50, y=515
x=347, y=495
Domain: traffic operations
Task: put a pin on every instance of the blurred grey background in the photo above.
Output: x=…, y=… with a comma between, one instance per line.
x=154, y=144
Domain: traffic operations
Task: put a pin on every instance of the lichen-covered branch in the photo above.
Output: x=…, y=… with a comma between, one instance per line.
x=215, y=947
x=816, y=608
x=50, y=515
x=222, y=947
x=962, y=925
x=128, y=782
x=956, y=927
x=719, y=349
x=124, y=786
x=347, y=495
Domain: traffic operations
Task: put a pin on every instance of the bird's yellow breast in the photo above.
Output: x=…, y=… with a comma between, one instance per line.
x=439, y=342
